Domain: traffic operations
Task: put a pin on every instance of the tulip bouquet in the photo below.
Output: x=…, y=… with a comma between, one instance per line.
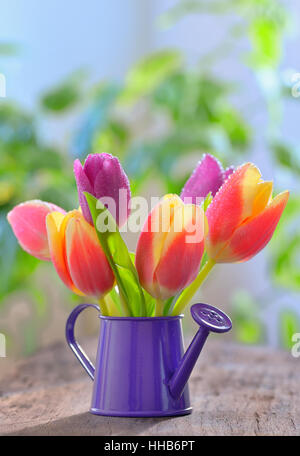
x=221, y=216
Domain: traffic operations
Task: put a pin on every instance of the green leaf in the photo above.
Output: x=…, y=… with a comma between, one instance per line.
x=287, y=156
x=169, y=305
x=8, y=49
x=207, y=201
x=203, y=260
x=65, y=96
x=119, y=258
x=61, y=98
x=149, y=300
x=116, y=299
x=150, y=303
x=148, y=74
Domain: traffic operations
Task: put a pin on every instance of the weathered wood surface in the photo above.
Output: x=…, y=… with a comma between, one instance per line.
x=235, y=390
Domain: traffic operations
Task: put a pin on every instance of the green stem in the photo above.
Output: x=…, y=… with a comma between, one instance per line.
x=189, y=292
x=159, y=308
x=125, y=309
x=103, y=306
x=113, y=310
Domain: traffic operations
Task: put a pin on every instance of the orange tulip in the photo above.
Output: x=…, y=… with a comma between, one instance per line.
x=242, y=216
x=77, y=255
x=165, y=259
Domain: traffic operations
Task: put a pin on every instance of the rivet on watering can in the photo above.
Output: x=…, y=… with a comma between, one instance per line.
x=210, y=319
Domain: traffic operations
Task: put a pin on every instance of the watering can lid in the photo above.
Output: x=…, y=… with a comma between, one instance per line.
x=211, y=318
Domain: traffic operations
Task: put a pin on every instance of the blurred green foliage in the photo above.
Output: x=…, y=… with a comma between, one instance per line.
x=29, y=169
x=285, y=264
x=148, y=74
x=247, y=323
x=161, y=114
x=195, y=107
x=249, y=326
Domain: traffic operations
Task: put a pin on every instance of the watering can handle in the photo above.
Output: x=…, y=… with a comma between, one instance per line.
x=75, y=347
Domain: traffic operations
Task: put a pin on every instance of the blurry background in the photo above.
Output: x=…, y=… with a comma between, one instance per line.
x=157, y=83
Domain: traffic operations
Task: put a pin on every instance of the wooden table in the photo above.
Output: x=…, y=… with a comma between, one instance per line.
x=235, y=390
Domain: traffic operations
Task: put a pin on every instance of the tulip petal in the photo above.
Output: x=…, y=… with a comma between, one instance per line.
x=263, y=197
x=182, y=252
x=252, y=236
x=83, y=185
x=207, y=177
x=28, y=221
x=109, y=182
x=228, y=171
x=145, y=259
x=87, y=263
x=103, y=177
x=249, y=188
x=56, y=237
x=231, y=206
x=152, y=238
x=168, y=253
x=93, y=165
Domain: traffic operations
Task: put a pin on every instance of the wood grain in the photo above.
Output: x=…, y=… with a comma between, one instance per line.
x=235, y=390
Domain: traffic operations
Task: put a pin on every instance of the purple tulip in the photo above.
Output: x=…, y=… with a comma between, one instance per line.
x=208, y=176
x=228, y=171
x=103, y=176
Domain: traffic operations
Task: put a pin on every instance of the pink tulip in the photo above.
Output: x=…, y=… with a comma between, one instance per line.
x=28, y=222
x=207, y=177
x=243, y=216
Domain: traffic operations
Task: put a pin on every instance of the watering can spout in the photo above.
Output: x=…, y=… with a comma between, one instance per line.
x=209, y=319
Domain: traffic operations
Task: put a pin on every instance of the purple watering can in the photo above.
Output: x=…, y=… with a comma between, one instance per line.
x=141, y=369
